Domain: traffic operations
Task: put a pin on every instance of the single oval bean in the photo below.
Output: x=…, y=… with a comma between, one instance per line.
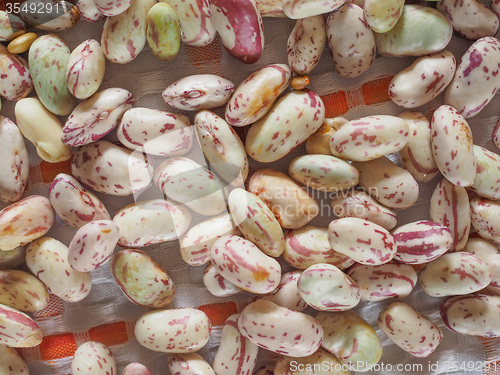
x=17, y=82
x=242, y=263
x=183, y=330
x=185, y=181
x=93, y=357
x=111, y=169
x=12, y=258
x=484, y=218
x=75, y=205
x=136, y=368
x=164, y=32
x=112, y=7
x=96, y=116
x=22, y=43
x=490, y=254
x=89, y=11
x=14, y=164
x=217, y=285
x=199, y=91
x=189, y=364
x=287, y=293
x=141, y=279
x=487, y=173
x=236, y=355
x=86, y=67
x=18, y=330
x=11, y=26
x=382, y=15
x=302, y=366
x=263, y=322
x=12, y=363
x=399, y=322
x=295, y=9
x=150, y=222
x=47, y=259
x=361, y=240
x=22, y=291
x=25, y=221
x=255, y=96
x=309, y=245
x=353, y=49
x=350, y=338
x=290, y=203
x=326, y=288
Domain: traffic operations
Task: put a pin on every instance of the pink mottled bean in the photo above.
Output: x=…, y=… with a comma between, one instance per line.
x=217, y=285
x=302, y=366
x=279, y=329
x=23, y=291
x=12, y=363
x=112, y=7
x=89, y=11
x=490, y=253
x=17, y=82
x=136, y=368
x=18, y=330
x=484, y=214
x=487, y=180
x=295, y=9
x=287, y=293
x=189, y=364
x=93, y=357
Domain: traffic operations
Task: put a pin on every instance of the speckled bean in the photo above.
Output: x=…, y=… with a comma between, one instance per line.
x=303, y=366
x=89, y=11
x=217, y=285
x=25, y=221
x=326, y=288
x=290, y=203
x=11, y=26
x=47, y=258
x=16, y=82
x=18, y=330
x=136, y=368
x=279, y=329
x=107, y=168
x=382, y=15
x=295, y=9
x=484, y=214
x=12, y=363
x=255, y=96
x=23, y=291
x=487, y=180
x=93, y=357
x=287, y=293
x=184, y=330
x=490, y=253
x=164, y=32
x=96, y=116
x=409, y=330
x=189, y=364
x=59, y=18
x=141, y=279
x=350, y=338
x=199, y=91
x=270, y=8
x=112, y=7
x=242, y=263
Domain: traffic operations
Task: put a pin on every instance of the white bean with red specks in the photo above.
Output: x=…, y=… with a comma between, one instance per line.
x=350, y=338
x=382, y=16
x=18, y=330
x=256, y=221
x=25, y=221
x=93, y=357
x=321, y=359
x=477, y=78
x=409, y=330
x=198, y=91
x=357, y=203
x=14, y=164
x=306, y=44
x=17, y=83
x=309, y=245
x=323, y=172
x=110, y=169
x=217, y=285
x=240, y=28
x=417, y=156
x=475, y=314
x=421, y=241
x=456, y=273
x=150, y=222
x=290, y=203
x=89, y=11
x=423, y=80
x=384, y=281
x=23, y=291
x=136, y=368
x=196, y=243
x=292, y=119
x=370, y=138
x=74, y=204
x=124, y=35
x=279, y=329
x=363, y=241
x=47, y=259
x=188, y=364
x=12, y=258
x=460, y=13
x=245, y=265
x=12, y=363
x=351, y=41
x=155, y=132
x=184, y=330
x=141, y=279
x=388, y=183
x=319, y=142
x=222, y=147
x=112, y=7
x=451, y=139
x=92, y=245
x=96, y=116
x=254, y=97
x=236, y=355
x=12, y=26
x=326, y=288
x=490, y=254
x=450, y=206
x=484, y=214
x=487, y=180
x=197, y=28
x=86, y=67
x=287, y=293
x=296, y=9
x=185, y=181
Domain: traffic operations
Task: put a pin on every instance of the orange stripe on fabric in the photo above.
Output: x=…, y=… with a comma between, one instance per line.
x=57, y=346
x=51, y=170
x=335, y=104
x=219, y=312
x=198, y=56
x=110, y=334
x=376, y=91
x=492, y=348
